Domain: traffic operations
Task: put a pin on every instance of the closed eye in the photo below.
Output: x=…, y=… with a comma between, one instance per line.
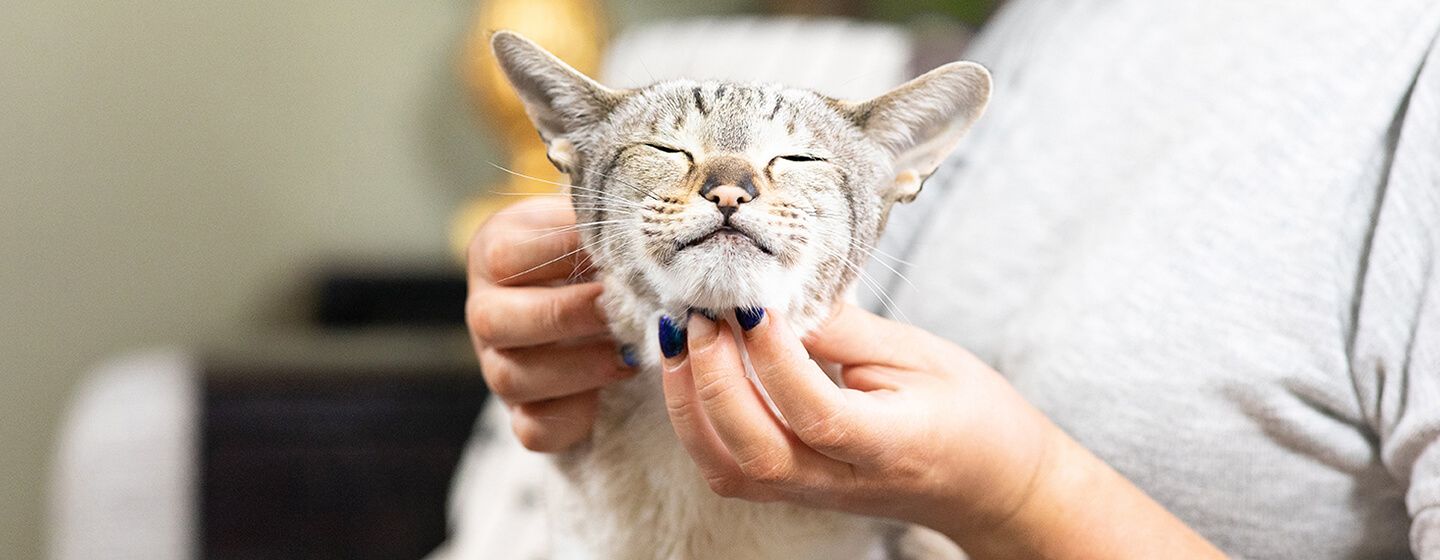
x=667, y=149
x=801, y=157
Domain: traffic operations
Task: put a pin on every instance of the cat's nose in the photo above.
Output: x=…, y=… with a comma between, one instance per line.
x=728, y=196
x=729, y=182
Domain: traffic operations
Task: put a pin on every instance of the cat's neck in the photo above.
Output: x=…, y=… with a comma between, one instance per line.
x=634, y=312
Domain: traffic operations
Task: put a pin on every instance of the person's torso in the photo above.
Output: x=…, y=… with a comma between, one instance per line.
x=1155, y=234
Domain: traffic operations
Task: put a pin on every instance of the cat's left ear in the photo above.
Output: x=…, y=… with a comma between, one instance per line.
x=922, y=121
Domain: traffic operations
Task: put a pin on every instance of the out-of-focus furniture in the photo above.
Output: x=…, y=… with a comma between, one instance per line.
x=335, y=442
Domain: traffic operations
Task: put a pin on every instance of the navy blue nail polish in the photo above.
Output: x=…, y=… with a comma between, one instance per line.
x=630, y=355
x=748, y=318
x=672, y=337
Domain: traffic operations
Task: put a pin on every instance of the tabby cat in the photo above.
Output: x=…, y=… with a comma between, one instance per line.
x=715, y=196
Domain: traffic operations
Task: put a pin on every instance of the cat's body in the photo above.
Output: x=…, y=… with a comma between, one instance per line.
x=717, y=196
x=633, y=492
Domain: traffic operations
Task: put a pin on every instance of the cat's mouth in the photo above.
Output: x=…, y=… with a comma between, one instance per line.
x=724, y=233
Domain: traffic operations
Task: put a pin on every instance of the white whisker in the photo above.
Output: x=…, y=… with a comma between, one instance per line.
x=891, y=268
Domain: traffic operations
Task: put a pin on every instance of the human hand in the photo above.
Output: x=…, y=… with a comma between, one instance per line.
x=922, y=432
x=544, y=346
x=921, y=427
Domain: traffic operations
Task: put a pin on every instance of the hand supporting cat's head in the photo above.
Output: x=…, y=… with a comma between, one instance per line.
x=720, y=195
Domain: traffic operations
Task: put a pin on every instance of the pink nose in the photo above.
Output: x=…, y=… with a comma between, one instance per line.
x=729, y=196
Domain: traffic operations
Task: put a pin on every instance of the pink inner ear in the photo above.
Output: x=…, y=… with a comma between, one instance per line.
x=905, y=185
x=562, y=154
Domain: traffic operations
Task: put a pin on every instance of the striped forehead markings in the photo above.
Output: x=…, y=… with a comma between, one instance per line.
x=700, y=103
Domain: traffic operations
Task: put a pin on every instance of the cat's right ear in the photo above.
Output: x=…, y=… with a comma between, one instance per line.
x=559, y=99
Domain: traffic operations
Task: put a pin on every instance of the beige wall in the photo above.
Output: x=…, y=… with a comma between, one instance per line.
x=171, y=170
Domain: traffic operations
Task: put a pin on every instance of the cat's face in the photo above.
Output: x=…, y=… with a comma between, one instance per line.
x=718, y=195
x=723, y=195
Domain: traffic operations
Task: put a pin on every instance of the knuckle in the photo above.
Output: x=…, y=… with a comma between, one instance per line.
x=553, y=314
x=498, y=374
x=681, y=408
x=713, y=388
x=475, y=251
x=768, y=468
x=494, y=256
x=825, y=432
x=479, y=318
x=532, y=436
x=726, y=486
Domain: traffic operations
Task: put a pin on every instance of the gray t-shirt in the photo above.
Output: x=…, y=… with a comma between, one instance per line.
x=1204, y=238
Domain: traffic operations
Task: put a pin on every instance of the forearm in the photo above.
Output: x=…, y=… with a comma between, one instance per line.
x=1078, y=507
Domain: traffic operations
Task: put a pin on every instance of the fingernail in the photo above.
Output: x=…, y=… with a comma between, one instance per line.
x=630, y=355
x=702, y=328
x=748, y=318
x=672, y=337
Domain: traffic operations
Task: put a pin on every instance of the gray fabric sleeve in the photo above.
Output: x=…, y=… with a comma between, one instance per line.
x=1396, y=351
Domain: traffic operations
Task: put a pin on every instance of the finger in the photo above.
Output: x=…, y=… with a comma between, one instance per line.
x=529, y=242
x=530, y=316
x=698, y=437
x=764, y=450
x=556, y=424
x=855, y=336
x=536, y=373
x=817, y=410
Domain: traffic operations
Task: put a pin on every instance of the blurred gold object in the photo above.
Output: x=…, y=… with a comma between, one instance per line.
x=573, y=30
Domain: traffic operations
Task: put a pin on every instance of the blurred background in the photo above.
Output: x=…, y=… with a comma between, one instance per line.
x=203, y=176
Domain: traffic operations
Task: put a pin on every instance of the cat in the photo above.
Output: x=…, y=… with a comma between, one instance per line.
x=715, y=196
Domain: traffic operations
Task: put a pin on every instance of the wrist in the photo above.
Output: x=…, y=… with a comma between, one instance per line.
x=1003, y=527
x=1043, y=513
x=1079, y=507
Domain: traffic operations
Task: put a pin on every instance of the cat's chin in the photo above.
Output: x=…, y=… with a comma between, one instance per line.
x=715, y=284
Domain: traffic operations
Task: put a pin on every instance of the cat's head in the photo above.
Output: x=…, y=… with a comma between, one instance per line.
x=720, y=195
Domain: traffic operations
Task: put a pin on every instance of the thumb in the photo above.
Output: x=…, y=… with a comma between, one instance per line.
x=854, y=336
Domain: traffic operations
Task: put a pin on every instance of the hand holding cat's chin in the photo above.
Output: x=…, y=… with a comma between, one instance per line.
x=924, y=431
x=542, y=346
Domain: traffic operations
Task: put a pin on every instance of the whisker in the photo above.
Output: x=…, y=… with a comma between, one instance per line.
x=595, y=244
x=579, y=207
x=593, y=262
x=605, y=197
x=556, y=259
x=643, y=192
x=871, y=284
x=877, y=250
x=891, y=268
x=539, y=266
x=570, y=229
x=524, y=176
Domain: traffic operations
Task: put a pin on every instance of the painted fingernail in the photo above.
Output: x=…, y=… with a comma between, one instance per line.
x=748, y=318
x=672, y=337
x=630, y=355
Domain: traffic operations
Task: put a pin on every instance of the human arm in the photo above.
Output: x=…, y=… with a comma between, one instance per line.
x=923, y=432
x=544, y=347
